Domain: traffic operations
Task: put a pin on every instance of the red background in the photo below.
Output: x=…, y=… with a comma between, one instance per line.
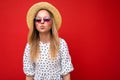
x=90, y=27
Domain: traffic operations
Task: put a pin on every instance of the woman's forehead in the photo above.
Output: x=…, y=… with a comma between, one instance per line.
x=43, y=13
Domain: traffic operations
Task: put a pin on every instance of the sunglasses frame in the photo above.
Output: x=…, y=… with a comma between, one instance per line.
x=45, y=19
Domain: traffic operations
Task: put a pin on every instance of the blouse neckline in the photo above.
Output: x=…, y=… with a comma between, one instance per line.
x=44, y=42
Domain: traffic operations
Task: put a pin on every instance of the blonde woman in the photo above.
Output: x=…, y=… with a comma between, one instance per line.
x=46, y=56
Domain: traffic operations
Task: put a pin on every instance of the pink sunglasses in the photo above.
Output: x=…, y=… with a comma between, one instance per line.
x=45, y=19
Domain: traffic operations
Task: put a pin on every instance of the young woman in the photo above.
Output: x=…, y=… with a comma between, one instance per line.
x=46, y=56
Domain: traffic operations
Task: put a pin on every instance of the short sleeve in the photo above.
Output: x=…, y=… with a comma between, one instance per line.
x=28, y=66
x=66, y=63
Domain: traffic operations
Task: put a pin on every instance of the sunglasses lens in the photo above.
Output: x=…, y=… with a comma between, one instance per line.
x=46, y=20
x=37, y=20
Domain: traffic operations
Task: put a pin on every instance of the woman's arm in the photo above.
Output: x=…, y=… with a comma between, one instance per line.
x=66, y=77
x=29, y=78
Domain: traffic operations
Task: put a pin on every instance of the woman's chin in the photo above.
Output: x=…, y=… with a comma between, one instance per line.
x=43, y=31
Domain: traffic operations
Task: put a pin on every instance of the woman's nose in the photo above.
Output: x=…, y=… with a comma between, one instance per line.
x=42, y=21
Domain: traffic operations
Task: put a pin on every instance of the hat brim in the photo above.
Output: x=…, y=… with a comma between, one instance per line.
x=43, y=5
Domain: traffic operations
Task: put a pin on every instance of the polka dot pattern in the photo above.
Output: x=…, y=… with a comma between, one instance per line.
x=45, y=68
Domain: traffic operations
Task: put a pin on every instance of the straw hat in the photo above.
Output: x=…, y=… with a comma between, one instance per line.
x=43, y=5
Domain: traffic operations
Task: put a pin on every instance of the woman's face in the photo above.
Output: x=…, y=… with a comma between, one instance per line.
x=43, y=21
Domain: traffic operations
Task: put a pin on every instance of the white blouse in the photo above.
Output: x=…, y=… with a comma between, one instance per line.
x=45, y=68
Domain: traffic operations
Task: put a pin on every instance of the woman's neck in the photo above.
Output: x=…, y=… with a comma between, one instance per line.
x=45, y=37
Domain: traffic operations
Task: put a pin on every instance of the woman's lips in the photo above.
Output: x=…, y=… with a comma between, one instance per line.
x=42, y=27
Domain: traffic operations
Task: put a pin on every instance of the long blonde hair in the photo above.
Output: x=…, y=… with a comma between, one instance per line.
x=34, y=39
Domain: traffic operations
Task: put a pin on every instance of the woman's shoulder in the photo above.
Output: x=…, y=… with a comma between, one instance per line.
x=62, y=41
x=27, y=45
